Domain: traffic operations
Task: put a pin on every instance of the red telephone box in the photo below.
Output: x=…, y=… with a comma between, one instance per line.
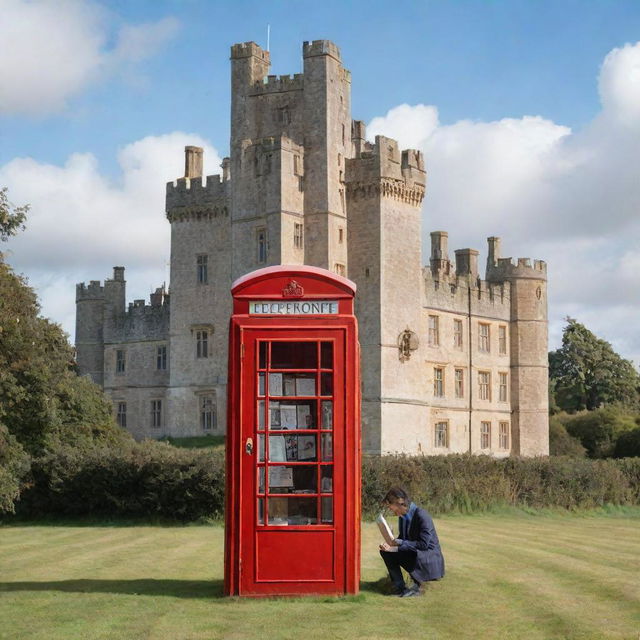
x=293, y=437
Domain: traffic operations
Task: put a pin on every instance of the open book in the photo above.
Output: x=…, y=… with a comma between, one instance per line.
x=386, y=532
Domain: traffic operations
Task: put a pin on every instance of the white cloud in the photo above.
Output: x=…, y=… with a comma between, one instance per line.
x=53, y=49
x=571, y=198
x=81, y=224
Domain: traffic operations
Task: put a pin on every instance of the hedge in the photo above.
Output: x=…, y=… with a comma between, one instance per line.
x=158, y=480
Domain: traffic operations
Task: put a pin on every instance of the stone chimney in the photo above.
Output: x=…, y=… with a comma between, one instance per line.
x=193, y=162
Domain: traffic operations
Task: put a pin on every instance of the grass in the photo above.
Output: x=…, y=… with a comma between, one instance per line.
x=509, y=575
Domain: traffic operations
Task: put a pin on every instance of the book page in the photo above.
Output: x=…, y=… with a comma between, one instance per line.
x=385, y=529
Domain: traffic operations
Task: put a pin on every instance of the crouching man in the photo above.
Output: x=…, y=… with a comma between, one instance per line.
x=416, y=549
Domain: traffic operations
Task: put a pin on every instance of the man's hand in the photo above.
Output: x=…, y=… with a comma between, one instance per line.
x=387, y=547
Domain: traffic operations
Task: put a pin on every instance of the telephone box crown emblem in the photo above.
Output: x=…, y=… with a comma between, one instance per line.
x=293, y=290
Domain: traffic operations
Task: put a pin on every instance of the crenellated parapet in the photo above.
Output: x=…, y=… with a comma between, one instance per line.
x=320, y=48
x=190, y=199
x=278, y=84
x=506, y=268
x=499, y=268
x=248, y=50
x=383, y=170
x=143, y=321
x=93, y=291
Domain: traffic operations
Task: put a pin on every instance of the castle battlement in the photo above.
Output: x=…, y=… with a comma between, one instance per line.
x=321, y=48
x=278, y=84
x=461, y=294
x=190, y=194
x=505, y=268
x=93, y=291
x=248, y=50
x=383, y=168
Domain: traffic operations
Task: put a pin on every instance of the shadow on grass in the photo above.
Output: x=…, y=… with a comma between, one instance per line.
x=153, y=587
x=142, y=587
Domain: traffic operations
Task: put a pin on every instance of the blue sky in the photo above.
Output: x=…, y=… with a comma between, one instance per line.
x=100, y=97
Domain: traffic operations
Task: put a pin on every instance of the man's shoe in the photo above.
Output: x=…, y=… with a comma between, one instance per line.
x=411, y=593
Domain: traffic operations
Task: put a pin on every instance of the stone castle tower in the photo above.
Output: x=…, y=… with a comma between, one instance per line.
x=450, y=362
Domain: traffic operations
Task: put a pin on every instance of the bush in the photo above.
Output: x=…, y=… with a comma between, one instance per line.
x=598, y=430
x=134, y=479
x=464, y=483
x=628, y=444
x=560, y=442
x=14, y=466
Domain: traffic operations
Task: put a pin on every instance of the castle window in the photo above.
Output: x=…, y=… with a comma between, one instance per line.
x=503, y=388
x=485, y=435
x=338, y=268
x=434, y=331
x=438, y=382
x=298, y=238
x=121, y=415
x=344, y=136
x=297, y=165
x=202, y=269
x=156, y=414
x=283, y=115
x=202, y=343
x=340, y=235
x=484, y=385
x=504, y=435
x=442, y=434
x=484, y=337
x=161, y=358
x=120, y=361
x=457, y=334
x=207, y=413
x=261, y=238
x=459, y=383
x=502, y=340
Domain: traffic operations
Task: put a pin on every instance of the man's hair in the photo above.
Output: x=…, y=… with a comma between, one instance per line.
x=396, y=494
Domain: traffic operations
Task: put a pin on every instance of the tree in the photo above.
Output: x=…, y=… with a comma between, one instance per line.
x=14, y=466
x=42, y=398
x=586, y=373
x=598, y=431
x=12, y=218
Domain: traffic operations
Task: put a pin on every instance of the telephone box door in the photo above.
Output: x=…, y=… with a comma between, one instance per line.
x=292, y=434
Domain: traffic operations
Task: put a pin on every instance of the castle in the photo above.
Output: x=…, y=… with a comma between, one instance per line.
x=450, y=362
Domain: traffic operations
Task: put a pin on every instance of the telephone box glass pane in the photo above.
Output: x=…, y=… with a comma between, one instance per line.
x=294, y=355
x=292, y=511
x=327, y=510
x=292, y=415
x=298, y=448
x=326, y=384
x=262, y=358
x=260, y=479
x=261, y=387
x=326, y=355
x=260, y=411
x=298, y=479
x=327, y=414
x=326, y=480
x=295, y=384
x=260, y=448
x=327, y=447
x=260, y=510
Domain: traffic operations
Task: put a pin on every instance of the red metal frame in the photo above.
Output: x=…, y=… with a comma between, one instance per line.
x=314, y=556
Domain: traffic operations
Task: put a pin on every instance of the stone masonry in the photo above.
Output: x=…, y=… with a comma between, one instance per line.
x=450, y=362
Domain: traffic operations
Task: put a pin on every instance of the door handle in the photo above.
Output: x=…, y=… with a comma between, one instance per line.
x=248, y=447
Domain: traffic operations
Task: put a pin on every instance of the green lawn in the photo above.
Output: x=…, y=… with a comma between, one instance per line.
x=508, y=576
